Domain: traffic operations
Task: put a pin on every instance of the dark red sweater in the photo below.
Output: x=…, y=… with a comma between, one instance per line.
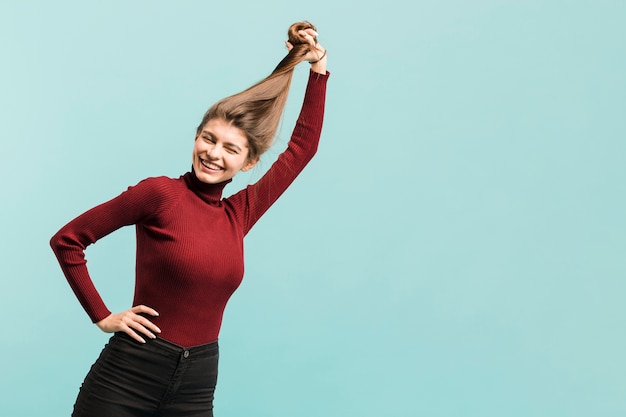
x=189, y=240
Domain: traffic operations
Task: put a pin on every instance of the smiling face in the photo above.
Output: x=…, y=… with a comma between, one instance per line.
x=220, y=151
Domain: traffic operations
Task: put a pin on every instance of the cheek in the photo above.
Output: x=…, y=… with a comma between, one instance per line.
x=236, y=161
x=197, y=148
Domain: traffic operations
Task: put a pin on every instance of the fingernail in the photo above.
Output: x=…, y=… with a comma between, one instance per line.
x=158, y=330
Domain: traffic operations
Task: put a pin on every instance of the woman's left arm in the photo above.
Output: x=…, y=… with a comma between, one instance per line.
x=252, y=202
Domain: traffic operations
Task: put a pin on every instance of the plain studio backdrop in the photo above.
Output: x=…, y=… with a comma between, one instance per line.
x=455, y=249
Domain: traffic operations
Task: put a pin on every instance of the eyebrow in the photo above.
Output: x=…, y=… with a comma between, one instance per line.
x=226, y=142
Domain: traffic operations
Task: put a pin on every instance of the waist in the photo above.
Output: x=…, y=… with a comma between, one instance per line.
x=170, y=349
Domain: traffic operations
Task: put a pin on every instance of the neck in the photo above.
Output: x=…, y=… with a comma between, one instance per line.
x=209, y=193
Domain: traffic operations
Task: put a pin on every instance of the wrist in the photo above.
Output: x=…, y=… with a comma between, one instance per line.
x=323, y=56
x=319, y=65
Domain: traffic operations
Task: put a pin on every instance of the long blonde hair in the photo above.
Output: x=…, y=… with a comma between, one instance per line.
x=258, y=109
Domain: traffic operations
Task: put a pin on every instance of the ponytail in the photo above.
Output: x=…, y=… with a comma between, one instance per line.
x=258, y=109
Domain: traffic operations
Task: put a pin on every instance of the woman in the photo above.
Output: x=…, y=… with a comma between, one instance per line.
x=162, y=359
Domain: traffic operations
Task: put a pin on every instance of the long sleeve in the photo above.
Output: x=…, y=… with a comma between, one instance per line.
x=253, y=201
x=189, y=240
x=132, y=206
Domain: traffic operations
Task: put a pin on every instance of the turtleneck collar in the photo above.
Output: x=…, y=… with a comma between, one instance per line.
x=209, y=193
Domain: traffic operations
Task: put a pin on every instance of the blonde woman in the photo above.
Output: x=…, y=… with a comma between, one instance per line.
x=162, y=359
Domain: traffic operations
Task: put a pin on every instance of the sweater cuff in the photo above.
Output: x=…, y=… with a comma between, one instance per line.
x=316, y=76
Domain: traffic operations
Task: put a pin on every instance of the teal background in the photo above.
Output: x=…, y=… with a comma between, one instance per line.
x=456, y=248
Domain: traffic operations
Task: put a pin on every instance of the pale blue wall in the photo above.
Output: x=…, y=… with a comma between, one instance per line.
x=456, y=248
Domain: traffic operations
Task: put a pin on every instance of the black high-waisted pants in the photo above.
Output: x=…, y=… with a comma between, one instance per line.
x=155, y=379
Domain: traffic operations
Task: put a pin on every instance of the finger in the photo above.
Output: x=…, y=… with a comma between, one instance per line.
x=144, y=309
x=132, y=334
x=147, y=323
x=141, y=329
x=142, y=325
x=308, y=36
x=310, y=32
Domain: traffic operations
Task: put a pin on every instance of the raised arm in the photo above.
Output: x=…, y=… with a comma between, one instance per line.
x=250, y=203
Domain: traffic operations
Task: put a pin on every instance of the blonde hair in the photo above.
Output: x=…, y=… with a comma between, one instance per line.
x=258, y=109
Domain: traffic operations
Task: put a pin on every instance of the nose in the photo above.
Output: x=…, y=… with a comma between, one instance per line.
x=214, y=152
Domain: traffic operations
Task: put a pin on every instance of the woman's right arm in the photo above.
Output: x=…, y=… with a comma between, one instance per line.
x=133, y=206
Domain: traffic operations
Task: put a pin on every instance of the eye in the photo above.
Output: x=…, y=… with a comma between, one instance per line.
x=232, y=150
x=208, y=138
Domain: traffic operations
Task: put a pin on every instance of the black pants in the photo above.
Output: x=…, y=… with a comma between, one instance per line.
x=158, y=378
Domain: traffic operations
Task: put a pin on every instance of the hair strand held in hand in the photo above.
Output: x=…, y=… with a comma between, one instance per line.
x=257, y=110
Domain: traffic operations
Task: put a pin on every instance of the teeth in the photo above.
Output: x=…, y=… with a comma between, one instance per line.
x=210, y=165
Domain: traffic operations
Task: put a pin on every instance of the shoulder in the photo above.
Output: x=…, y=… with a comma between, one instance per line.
x=160, y=182
x=157, y=188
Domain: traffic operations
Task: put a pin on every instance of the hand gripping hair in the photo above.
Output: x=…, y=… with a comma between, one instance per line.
x=257, y=110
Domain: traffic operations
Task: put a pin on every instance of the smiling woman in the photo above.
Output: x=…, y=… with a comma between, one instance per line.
x=220, y=152
x=189, y=247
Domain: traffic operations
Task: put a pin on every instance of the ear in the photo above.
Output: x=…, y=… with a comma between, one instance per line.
x=250, y=164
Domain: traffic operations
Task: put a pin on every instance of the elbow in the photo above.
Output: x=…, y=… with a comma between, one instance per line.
x=56, y=242
x=311, y=151
x=63, y=241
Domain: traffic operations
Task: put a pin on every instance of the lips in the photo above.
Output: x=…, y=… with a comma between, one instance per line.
x=211, y=166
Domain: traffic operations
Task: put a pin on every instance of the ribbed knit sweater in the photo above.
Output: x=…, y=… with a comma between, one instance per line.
x=189, y=239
